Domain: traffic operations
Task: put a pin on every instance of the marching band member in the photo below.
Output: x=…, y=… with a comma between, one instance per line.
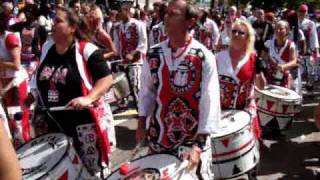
x=73, y=73
x=281, y=57
x=310, y=32
x=157, y=33
x=13, y=84
x=239, y=70
x=133, y=47
x=207, y=31
x=180, y=92
x=224, y=39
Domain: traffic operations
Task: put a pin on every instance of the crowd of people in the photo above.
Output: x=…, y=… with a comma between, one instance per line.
x=184, y=66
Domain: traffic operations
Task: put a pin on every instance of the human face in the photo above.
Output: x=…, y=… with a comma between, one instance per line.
x=302, y=14
x=61, y=29
x=239, y=31
x=281, y=31
x=95, y=19
x=175, y=18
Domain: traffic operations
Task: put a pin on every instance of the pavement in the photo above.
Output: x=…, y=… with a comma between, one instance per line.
x=292, y=156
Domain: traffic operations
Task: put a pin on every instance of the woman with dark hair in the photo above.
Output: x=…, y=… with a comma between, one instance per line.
x=13, y=83
x=29, y=30
x=73, y=74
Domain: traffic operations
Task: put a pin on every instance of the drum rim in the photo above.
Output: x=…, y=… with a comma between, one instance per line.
x=62, y=157
x=117, y=169
x=291, y=99
x=214, y=136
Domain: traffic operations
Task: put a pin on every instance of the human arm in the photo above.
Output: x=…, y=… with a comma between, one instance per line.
x=292, y=60
x=107, y=42
x=209, y=105
x=9, y=166
x=12, y=43
x=102, y=78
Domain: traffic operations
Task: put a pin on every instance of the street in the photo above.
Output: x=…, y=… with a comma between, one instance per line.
x=293, y=156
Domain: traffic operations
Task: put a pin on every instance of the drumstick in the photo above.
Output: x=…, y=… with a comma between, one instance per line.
x=184, y=164
x=115, y=61
x=62, y=108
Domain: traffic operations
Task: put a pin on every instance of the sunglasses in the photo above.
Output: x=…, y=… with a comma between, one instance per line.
x=241, y=33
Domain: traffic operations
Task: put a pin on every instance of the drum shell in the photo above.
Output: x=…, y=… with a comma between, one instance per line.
x=278, y=108
x=231, y=150
x=120, y=86
x=166, y=164
x=68, y=165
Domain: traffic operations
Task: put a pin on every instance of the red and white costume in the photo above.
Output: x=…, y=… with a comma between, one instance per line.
x=310, y=32
x=16, y=94
x=237, y=85
x=278, y=56
x=133, y=37
x=180, y=94
x=157, y=34
x=207, y=33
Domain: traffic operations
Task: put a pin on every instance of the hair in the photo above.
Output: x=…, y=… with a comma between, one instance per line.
x=250, y=36
x=283, y=23
x=81, y=25
x=3, y=24
x=162, y=10
x=191, y=12
x=292, y=19
x=98, y=11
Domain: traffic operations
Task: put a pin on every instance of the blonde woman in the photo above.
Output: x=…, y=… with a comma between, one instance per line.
x=239, y=71
x=281, y=56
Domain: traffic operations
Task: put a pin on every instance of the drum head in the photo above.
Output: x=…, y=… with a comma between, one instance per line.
x=154, y=166
x=42, y=154
x=118, y=76
x=232, y=121
x=280, y=92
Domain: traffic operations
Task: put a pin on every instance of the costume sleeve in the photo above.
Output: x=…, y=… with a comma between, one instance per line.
x=143, y=39
x=147, y=93
x=12, y=41
x=210, y=96
x=215, y=34
x=97, y=65
x=314, y=42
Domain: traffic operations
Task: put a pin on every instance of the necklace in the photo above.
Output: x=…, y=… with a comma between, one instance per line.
x=172, y=60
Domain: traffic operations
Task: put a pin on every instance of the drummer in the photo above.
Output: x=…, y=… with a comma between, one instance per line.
x=13, y=83
x=280, y=55
x=73, y=73
x=239, y=71
x=171, y=95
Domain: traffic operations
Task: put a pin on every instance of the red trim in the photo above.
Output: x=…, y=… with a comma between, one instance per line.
x=233, y=151
x=25, y=111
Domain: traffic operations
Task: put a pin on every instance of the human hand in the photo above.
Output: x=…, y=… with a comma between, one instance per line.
x=193, y=156
x=80, y=103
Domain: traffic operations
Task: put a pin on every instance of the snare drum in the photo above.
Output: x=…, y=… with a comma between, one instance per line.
x=235, y=150
x=120, y=88
x=120, y=85
x=155, y=166
x=276, y=106
x=50, y=156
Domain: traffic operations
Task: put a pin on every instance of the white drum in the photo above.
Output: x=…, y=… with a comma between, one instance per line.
x=277, y=106
x=50, y=156
x=156, y=166
x=235, y=150
x=120, y=88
